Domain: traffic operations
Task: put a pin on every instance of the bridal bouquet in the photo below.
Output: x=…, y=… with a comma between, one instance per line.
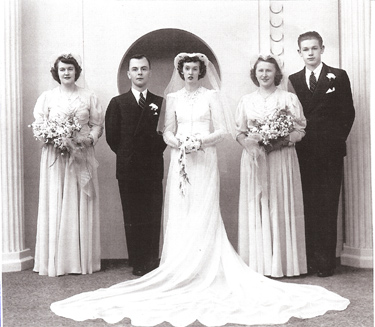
x=277, y=125
x=188, y=144
x=57, y=131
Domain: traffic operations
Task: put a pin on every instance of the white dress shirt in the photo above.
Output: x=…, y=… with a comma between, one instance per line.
x=316, y=71
x=137, y=94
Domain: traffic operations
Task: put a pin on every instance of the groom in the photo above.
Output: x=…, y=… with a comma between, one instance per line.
x=131, y=122
x=327, y=103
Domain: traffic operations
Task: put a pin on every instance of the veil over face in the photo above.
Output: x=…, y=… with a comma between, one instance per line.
x=210, y=81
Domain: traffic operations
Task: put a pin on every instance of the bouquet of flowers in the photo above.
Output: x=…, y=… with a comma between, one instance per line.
x=188, y=144
x=57, y=131
x=277, y=125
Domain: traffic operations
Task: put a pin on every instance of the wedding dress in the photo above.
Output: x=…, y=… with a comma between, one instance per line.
x=200, y=276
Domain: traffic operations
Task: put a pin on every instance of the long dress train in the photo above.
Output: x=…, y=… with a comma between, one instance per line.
x=200, y=276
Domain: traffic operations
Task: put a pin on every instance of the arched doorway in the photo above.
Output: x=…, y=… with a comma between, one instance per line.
x=161, y=47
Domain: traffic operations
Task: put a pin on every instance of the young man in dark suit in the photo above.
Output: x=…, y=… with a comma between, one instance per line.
x=131, y=122
x=327, y=102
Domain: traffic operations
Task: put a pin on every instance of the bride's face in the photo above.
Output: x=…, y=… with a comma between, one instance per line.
x=191, y=72
x=265, y=74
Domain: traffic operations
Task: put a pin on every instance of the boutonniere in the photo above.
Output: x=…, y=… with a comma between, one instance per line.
x=331, y=76
x=154, y=107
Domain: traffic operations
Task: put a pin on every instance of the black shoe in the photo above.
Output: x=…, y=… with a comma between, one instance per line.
x=153, y=264
x=311, y=270
x=325, y=273
x=139, y=271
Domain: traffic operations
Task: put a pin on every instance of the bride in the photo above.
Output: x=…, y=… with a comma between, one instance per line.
x=200, y=276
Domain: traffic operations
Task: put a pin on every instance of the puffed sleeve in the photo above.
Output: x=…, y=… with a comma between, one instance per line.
x=170, y=123
x=41, y=108
x=241, y=119
x=96, y=120
x=249, y=141
x=300, y=124
x=218, y=121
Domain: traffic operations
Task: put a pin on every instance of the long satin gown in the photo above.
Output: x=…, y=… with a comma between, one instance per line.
x=68, y=229
x=200, y=277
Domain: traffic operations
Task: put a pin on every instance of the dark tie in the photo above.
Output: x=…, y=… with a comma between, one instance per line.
x=142, y=100
x=312, y=82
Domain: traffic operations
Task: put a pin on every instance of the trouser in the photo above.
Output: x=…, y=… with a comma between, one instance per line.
x=142, y=208
x=321, y=185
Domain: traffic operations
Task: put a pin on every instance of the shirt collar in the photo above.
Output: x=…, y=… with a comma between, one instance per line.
x=316, y=71
x=136, y=94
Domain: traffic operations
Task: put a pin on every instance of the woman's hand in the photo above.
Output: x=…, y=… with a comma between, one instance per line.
x=85, y=140
x=250, y=144
x=277, y=144
x=191, y=143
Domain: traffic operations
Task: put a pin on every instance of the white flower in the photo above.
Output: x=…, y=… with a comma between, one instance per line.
x=331, y=76
x=154, y=106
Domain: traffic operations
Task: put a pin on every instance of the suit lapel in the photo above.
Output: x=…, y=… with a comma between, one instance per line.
x=321, y=87
x=323, y=83
x=145, y=112
x=302, y=80
x=303, y=90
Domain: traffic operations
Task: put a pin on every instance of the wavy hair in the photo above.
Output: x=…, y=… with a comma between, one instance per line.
x=202, y=66
x=66, y=59
x=278, y=76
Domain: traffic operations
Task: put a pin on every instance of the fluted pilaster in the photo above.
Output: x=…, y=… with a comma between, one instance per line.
x=15, y=256
x=355, y=59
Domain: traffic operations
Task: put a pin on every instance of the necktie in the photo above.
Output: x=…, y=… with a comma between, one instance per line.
x=142, y=100
x=312, y=82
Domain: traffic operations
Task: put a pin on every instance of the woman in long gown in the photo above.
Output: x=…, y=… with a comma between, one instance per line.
x=68, y=234
x=200, y=276
x=271, y=221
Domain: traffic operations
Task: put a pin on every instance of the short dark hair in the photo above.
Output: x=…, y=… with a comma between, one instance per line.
x=66, y=59
x=278, y=76
x=202, y=66
x=309, y=36
x=139, y=56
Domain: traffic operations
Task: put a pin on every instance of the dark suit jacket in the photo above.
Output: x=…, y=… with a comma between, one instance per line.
x=329, y=111
x=131, y=134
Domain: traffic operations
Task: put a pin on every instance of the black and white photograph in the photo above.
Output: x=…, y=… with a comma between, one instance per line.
x=184, y=163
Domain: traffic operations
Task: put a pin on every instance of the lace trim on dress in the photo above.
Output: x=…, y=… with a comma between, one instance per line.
x=191, y=96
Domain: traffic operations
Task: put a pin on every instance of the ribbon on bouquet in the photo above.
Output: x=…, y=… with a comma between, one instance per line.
x=184, y=179
x=188, y=145
x=84, y=165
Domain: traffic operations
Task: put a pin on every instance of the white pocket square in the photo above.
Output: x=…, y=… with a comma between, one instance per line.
x=331, y=90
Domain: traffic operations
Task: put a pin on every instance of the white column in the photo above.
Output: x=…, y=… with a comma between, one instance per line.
x=264, y=25
x=355, y=59
x=15, y=256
